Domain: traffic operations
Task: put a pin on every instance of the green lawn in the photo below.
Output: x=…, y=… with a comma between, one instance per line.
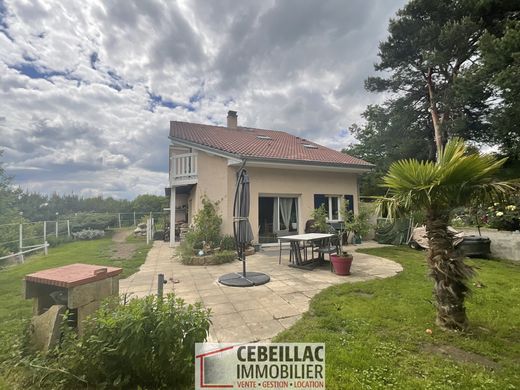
x=14, y=310
x=375, y=332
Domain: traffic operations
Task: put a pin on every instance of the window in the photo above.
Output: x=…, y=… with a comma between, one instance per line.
x=333, y=204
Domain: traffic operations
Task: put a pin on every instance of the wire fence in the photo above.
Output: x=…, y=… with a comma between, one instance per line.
x=18, y=239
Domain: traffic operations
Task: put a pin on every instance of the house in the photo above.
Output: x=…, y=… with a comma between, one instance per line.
x=290, y=176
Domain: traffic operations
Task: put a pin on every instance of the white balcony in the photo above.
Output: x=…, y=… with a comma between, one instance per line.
x=183, y=169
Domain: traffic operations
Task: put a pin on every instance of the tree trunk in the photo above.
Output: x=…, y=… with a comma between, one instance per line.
x=449, y=272
x=437, y=124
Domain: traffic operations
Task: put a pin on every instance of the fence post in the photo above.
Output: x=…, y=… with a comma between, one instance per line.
x=134, y=218
x=68, y=227
x=119, y=219
x=21, y=242
x=45, y=238
x=148, y=231
x=57, y=227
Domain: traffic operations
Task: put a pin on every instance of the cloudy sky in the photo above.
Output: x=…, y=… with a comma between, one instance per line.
x=87, y=89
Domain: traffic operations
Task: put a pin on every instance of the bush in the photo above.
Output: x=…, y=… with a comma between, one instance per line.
x=226, y=256
x=83, y=221
x=146, y=343
x=504, y=216
x=227, y=243
x=206, y=224
x=319, y=216
x=55, y=241
x=89, y=234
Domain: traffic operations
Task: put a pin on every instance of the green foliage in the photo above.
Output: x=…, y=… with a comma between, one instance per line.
x=501, y=65
x=224, y=256
x=227, y=242
x=504, y=216
x=84, y=221
x=185, y=250
x=359, y=224
x=207, y=223
x=147, y=343
x=456, y=179
x=371, y=326
x=55, y=241
x=8, y=210
x=89, y=234
x=449, y=65
x=15, y=311
x=319, y=216
x=146, y=203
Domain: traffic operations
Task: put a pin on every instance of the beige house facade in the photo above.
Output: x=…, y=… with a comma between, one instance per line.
x=286, y=183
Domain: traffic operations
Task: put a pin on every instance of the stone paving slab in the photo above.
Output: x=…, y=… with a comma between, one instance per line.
x=255, y=313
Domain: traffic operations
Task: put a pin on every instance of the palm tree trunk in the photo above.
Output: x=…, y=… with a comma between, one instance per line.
x=449, y=272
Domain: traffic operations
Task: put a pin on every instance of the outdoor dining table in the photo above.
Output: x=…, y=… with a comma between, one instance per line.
x=308, y=240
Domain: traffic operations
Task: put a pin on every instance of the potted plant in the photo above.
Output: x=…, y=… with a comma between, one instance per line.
x=359, y=225
x=342, y=261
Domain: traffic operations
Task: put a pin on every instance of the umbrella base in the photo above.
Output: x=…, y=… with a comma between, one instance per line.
x=237, y=279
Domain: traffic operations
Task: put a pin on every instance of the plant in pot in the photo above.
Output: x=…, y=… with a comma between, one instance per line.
x=359, y=225
x=342, y=261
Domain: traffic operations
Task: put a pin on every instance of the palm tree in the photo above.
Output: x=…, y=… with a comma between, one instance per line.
x=456, y=179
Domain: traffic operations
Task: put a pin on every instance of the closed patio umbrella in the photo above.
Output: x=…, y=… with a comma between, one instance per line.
x=243, y=235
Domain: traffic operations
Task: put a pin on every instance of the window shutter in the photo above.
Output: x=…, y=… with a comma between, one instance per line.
x=319, y=199
x=350, y=200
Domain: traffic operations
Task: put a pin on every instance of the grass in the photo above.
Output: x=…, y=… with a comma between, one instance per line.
x=14, y=310
x=375, y=332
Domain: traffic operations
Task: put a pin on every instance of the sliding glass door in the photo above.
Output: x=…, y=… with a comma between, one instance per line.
x=278, y=216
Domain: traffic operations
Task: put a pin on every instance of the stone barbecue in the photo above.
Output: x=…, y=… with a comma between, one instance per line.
x=79, y=288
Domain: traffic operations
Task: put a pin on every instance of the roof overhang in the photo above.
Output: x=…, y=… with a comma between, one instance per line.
x=234, y=159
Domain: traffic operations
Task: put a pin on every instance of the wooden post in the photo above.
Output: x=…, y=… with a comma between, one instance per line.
x=57, y=227
x=172, y=217
x=45, y=250
x=148, y=223
x=134, y=219
x=68, y=227
x=119, y=219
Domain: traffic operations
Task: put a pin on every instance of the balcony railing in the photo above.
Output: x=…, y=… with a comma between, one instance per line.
x=183, y=169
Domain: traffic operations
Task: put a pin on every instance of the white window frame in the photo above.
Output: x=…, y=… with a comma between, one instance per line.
x=329, y=200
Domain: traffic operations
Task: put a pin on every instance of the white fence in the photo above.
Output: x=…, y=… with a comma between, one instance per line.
x=32, y=236
x=18, y=239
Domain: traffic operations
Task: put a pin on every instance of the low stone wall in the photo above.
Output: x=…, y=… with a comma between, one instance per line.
x=504, y=245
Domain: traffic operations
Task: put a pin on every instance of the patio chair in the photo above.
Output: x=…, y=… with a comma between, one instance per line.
x=329, y=247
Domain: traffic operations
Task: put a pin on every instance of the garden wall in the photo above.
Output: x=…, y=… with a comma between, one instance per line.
x=504, y=245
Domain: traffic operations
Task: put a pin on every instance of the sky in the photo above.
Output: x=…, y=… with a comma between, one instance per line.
x=88, y=88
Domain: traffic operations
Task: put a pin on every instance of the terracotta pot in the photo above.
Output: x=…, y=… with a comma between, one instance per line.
x=341, y=264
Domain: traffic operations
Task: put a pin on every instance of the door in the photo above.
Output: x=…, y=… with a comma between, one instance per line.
x=277, y=216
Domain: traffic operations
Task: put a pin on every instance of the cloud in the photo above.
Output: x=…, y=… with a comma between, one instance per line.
x=88, y=88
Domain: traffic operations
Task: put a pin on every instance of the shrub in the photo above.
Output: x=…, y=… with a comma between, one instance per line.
x=504, y=216
x=227, y=243
x=83, y=221
x=145, y=343
x=319, y=216
x=225, y=256
x=55, y=241
x=206, y=224
x=89, y=234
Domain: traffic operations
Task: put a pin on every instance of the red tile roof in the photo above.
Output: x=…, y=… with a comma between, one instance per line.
x=244, y=142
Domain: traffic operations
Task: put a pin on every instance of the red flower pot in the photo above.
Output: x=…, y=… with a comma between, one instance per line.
x=341, y=264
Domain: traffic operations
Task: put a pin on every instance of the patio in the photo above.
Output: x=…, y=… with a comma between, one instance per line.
x=254, y=313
